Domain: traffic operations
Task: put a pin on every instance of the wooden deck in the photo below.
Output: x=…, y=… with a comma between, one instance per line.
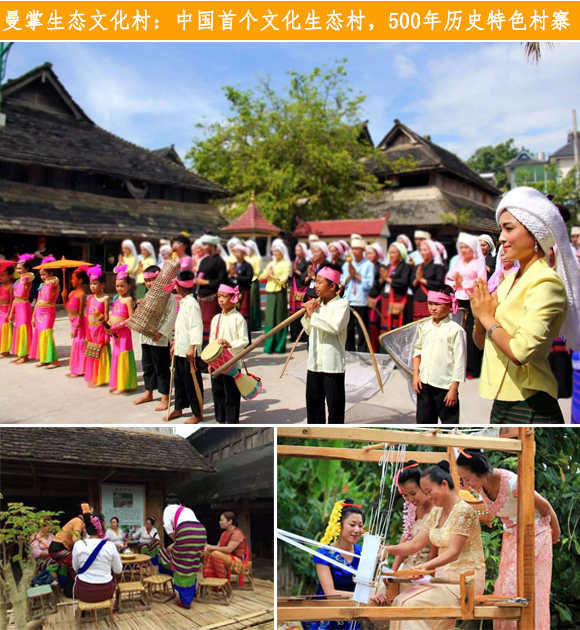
x=248, y=609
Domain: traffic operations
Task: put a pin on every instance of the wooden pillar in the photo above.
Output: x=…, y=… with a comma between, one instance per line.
x=244, y=521
x=453, y=466
x=526, y=528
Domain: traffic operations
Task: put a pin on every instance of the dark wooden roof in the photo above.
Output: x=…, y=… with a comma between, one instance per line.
x=45, y=126
x=169, y=153
x=401, y=141
x=25, y=208
x=523, y=158
x=568, y=149
x=423, y=206
x=118, y=448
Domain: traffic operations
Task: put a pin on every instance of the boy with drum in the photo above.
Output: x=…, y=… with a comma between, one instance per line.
x=230, y=330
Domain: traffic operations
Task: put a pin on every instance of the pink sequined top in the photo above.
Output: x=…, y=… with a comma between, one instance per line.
x=4, y=294
x=73, y=303
x=95, y=306
x=22, y=290
x=119, y=309
x=48, y=292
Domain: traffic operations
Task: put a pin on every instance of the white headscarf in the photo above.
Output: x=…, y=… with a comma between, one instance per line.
x=147, y=245
x=322, y=246
x=130, y=245
x=222, y=252
x=487, y=239
x=281, y=247
x=304, y=246
x=378, y=249
x=233, y=241
x=403, y=238
x=473, y=243
x=441, y=249
x=541, y=217
x=434, y=251
x=253, y=247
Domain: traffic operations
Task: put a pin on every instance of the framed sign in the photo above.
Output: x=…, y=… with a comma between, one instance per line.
x=127, y=503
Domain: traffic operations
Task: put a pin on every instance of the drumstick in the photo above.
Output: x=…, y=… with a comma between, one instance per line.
x=260, y=340
x=197, y=389
x=291, y=353
x=170, y=385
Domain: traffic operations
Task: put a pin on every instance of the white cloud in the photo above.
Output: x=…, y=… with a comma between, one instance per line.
x=404, y=66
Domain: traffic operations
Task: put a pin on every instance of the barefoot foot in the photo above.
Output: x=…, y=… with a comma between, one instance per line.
x=162, y=406
x=52, y=366
x=147, y=397
x=194, y=420
x=176, y=413
x=21, y=360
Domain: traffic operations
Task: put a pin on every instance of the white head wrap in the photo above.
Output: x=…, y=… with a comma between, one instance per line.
x=402, y=250
x=541, y=217
x=473, y=243
x=434, y=251
x=358, y=242
x=130, y=245
x=339, y=247
x=241, y=248
x=147, y=245
x=164, y=250
x=487, y=239
x=403, y=238
x=313, y=238
x=281, y=247
x=253, y=247
x=441, y=249
x=322, y=246
x=378, y=249
x=421, y=234
x=305, y=249
x=222, y=252
x=233, y=241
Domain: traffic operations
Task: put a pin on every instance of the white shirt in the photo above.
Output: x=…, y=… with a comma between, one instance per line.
x=327, y=336
x=416, y=257
x=188, y=327
x=186, y=515
x=118, y=541
x=142, y=536
x=165, y=325
x=107, y=562
x=232, y=328
x=443, y=351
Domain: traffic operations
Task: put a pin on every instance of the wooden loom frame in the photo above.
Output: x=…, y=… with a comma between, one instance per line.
x=519, y=441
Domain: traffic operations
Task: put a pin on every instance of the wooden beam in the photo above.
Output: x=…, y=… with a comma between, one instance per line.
x=453, y=466
x=353, y=454
x=440, y=440
x=526, y=530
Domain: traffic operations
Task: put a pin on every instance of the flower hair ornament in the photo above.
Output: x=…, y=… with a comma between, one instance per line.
x=25, y=257
x=86, y=508
x=48, y=259
x=121, y=271
x=95, y=272
x=333, y=528
x=98, y=526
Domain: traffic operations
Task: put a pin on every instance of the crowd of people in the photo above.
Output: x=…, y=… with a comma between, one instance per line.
x=520, y=303
x=85, y=556
x=441, y=533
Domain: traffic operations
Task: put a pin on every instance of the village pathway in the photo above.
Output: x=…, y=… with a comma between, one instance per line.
x=36, y=396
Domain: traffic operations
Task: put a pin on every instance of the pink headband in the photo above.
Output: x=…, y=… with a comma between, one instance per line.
x=151, y=275
x=234, y=292
x=121, y=271
x=441, y=298
x=186, y=284
x=330, y=274
x=25, y=257
x=48, y=259
x=95, y=273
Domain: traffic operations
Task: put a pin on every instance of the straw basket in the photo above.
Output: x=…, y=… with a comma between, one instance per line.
x=484, y=516
x=148, y=314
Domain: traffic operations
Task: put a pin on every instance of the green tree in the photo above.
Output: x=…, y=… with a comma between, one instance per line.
x=490, y=159
x=299, y=150
x=562, y=189
x=17, y=564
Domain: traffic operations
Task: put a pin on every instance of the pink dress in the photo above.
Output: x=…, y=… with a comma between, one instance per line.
x=78, y=330
x=22, y=332
x=470, y=273
x=43, y=346
x=506, y=507
x=186, y=262
x=123, y=366
x=97, y=368
x=5, y=325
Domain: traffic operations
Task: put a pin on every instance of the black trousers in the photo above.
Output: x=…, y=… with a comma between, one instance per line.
x=354, y=329
x=321, y=386
x=226, y=400
x=431, y=406
x=185, y=395
x=156, y=364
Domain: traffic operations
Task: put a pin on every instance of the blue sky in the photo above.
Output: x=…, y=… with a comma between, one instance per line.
x=464, y=95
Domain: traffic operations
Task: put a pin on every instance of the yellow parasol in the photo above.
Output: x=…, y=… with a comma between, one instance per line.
x=64, y=263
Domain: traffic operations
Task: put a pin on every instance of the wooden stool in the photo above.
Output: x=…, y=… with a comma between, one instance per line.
x=40, y=601
x=82, y=607
x=137, y=597
x=159, y=588
x=243, y=576
x=214, y=586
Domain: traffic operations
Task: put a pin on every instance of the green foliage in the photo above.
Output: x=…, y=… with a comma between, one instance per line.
x=461, y=218
x=307, y=490
x=491, y=159
x=300, y=150
x=563, y=190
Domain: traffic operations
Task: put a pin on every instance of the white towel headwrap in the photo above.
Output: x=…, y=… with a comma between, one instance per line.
x=281, y=247
x=541, y=217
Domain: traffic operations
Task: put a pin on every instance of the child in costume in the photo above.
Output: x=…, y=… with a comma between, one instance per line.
x=326, y=325
x=21, y=310
x=43, y=346
x=155, y=355
x=75, y=302
x=240, y=274
x=98, y=349
x=231, y=330
x=6, y=298
x=439, y=359
x=187, y=342
x=123, y=367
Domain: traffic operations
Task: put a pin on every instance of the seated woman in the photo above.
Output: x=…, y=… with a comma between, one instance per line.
x=344, y=529
x=116, y=535
x=95, y=560
x=453, y=528
x=499, y=491
x=147, y=538
x=40, y=544
x=231, y=553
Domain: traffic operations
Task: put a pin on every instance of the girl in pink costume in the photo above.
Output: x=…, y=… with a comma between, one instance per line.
x=98, y=349
x=123, y=367
x=6, y=297
x=43, y=346
x=75, y=307
x=21, y=311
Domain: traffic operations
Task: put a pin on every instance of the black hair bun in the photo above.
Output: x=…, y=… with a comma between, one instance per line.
x=348, y=502
x=411, y=462
x=444, y=465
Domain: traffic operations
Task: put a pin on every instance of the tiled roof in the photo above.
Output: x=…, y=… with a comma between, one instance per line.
x=252, y=221
x=119, y=448
x=342, y=228
x=568, y=149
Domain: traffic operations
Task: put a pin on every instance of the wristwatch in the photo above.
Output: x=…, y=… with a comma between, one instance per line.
x=490, y=331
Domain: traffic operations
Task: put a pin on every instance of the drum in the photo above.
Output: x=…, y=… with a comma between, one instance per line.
x=215, y=355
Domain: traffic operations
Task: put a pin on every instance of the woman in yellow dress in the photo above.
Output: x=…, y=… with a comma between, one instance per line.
x=453, y=528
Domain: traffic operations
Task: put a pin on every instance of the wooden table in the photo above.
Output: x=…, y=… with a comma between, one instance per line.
x=140, y=565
